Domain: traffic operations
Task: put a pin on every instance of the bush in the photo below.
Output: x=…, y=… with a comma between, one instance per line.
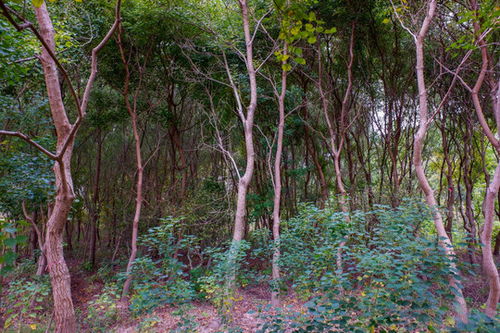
x=216, y=285
x=158, y=276
x=26, y=302
x=393, y=276
x=103, y=311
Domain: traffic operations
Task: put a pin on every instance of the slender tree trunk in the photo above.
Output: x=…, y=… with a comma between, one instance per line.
x=470, y=220
x=336, y=140
x=69, y=236
x=244, y=182
x=489, y=266
x=132, y=110
x=461, y=306
x=42, y=259
x=449, y=182
x=275, y=300
x=95, y=215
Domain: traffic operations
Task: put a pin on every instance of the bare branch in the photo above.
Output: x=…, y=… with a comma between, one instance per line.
x=235, y=89
x=31, y=142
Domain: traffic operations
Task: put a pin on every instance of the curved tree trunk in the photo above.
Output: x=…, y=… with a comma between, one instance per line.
x=461, y=306
x=132, y=110
x=138, y=205
x=95, y=204
x=489, y=266
x=337, y=139
x=64, y=313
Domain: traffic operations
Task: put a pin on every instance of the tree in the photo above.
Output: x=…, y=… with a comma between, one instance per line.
x=65, y=131
x=419, y=38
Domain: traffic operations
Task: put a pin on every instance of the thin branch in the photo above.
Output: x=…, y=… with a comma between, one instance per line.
x=26, y=138
x=401, y=21
x=86, y=96
x=235, y=89
x=452, y=84
x=6, y=10
x=256, y=29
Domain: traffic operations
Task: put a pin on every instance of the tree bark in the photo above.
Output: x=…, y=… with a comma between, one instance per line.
x=132, y=110
x=275, y=300
x=461, y=306
x=336, y=139
x=95, y=215
x=244, y=182
x=59, y=274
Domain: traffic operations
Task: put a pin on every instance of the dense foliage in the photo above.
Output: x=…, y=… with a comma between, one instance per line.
x=249, y=165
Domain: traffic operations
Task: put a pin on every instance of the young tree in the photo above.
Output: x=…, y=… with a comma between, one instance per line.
x=64, y=313
x=132, y=111
x=425, y=120
x=247, y=121
x=489, y=266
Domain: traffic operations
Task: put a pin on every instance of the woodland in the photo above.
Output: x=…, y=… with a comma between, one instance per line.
x=249, y=166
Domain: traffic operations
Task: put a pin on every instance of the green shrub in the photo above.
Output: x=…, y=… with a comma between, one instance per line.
x=186, y=322
x=158, y=276
x=478, y=322
x=216, y=285
x=393, y=275
x=26, y=302
x=103, y=311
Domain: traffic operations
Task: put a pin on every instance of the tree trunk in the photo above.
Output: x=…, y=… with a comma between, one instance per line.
x=244, y=182
x=470, y=220
x=461, y=308
x=336, y=140
x=489, y=266
x=64, y=313
x=95, y=215
x=139, y=167
x=275, y=300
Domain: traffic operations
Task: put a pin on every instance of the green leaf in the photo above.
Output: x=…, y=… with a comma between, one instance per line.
x=331, y=30
x=37, y=3
x=311, y=40
x=21, y=239
x=386, y=21
x=295, y=30
x=10, y=242
x=300, y=61
x=9, y=257
x=286, y=67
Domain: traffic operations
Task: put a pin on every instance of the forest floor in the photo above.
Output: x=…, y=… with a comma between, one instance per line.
x=205, y=318
x=202, y=316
